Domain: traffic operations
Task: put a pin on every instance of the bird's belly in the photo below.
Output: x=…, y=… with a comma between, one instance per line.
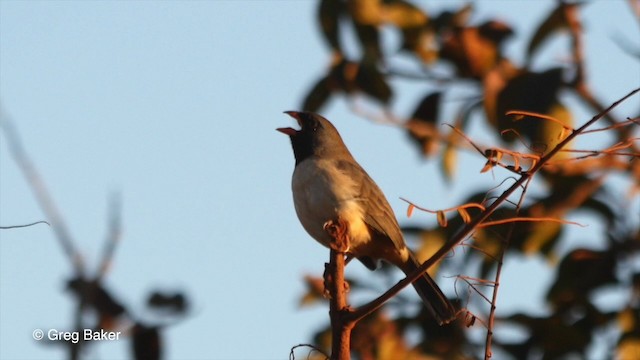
x=322, y=193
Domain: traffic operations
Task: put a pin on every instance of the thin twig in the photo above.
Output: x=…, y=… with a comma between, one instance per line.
x=494, y=296
x=527, y=219
x=473, y=286
x=521, y=114
x=24, y=225
x=311, y=347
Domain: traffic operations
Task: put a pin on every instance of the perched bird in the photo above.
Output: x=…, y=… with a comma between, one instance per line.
x=328, y=184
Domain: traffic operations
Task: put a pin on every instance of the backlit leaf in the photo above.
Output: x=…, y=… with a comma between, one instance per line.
x=373, y=83
x=464, y=214
x=533, y=92
x=403, y=14
x=329, y=13
x=442, y=218
x=410, y=209
x=449, y=161
x=318, y=96
x=366, y=12
x=421, y=126
x=429, y=108
x=629, y=348
x=487, y=166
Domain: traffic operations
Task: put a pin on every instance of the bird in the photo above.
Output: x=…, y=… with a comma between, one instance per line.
x=329, y=184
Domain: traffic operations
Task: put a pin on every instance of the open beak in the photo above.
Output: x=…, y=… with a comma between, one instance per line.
x=291, y=131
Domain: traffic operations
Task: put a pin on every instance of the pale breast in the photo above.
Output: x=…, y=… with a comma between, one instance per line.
x=322, y=192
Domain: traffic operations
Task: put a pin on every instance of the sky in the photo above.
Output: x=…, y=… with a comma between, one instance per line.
x=173, y=105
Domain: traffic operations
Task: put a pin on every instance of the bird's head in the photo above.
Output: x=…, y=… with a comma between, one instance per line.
x=317, y=136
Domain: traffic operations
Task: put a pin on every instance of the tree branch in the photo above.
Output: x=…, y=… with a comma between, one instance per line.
x=468, y=228
x=41, y=193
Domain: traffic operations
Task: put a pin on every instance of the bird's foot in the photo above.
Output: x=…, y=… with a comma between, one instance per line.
x=339, y=232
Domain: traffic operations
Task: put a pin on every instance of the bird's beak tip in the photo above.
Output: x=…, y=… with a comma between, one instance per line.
x=295, y=115
x=287, y=131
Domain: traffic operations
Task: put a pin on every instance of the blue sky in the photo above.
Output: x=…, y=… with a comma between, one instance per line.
x=174, y=106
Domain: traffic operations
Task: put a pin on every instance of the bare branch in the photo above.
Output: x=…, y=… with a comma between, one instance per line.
x=41, y=193
x=113, y=236
x=494, y=297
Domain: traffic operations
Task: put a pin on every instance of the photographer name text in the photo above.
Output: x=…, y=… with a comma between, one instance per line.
x=76, y=336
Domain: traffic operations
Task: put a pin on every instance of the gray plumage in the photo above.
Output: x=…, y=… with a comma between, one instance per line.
x=329, y=184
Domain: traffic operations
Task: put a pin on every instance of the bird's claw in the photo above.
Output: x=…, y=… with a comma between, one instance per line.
x=339, y=232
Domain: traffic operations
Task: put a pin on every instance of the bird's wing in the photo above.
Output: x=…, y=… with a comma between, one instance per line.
x=378, y=213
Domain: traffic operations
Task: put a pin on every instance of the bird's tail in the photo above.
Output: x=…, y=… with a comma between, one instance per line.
x=436, y=302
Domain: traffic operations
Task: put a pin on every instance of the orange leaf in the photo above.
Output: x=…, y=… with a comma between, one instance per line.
x=516, y=163
x=410, y=210
x=464, y=214
x=442, y=218
x=487, y=166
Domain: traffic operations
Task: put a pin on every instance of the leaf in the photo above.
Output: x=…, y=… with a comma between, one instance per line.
x=472, y=54
x=493, y=155
x=410, y=209
x=175, y=302
x=329, y=13
x=581, y=272
x=464, y=214
x=367, y=16
x=469, y=319
x=429, y=108
x=318, y=95
x=516, y=163
x=449, y=161
x=496, y=31
x=365, y=12
x=553, y=133
x=411, y=38
x=373, y=83
x=487, y=166
x=403, y=14
x=442, y=218
x=539, y=234
x=493, y=83
x=627, y=320
x=628, y=348
x=421, y=126
x=430, y=242
x=533, y=92
x=462, y=16
x=554, y=22
x=425, y=45
x=342, y=76
x=369, y=37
